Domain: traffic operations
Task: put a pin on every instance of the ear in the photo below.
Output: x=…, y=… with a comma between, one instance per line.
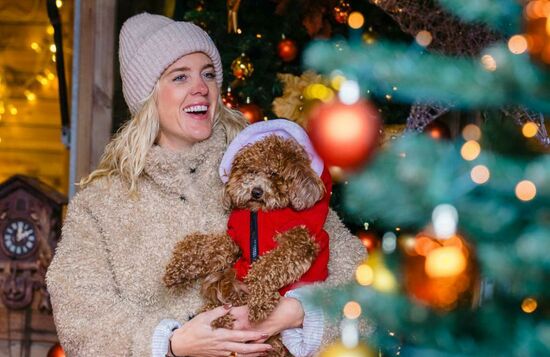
x=306, y=188
x=227, y=202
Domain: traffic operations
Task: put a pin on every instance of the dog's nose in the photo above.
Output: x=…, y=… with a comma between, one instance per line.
x=257, y=193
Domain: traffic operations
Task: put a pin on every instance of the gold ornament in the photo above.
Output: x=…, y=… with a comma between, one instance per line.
x=391, y=132
x=242, y=67
x=339, y=350
x=292, y=104
x=232, y=13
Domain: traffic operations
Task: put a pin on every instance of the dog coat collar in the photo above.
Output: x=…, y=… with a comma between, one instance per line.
x=257, y=131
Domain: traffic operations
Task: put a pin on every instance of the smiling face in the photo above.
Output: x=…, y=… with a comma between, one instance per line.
x=186, y=102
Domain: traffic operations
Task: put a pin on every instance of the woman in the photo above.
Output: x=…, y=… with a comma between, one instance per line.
x=157, y=182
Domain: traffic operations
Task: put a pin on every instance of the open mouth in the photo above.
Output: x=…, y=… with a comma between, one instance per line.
x=197, y=110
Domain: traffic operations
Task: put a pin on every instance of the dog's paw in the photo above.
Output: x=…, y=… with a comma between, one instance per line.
x=259, y=308
x=225, y=321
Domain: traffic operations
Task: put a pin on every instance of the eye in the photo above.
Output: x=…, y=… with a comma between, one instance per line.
x=180, y=77
x=210, y=75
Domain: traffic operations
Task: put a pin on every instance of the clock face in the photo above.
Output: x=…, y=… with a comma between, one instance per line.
x=19, y=238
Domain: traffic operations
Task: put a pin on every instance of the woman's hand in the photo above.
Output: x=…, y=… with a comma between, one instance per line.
x=288, y=314
x=198, y=338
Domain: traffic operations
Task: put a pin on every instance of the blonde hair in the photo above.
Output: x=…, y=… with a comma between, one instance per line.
x=125, y=154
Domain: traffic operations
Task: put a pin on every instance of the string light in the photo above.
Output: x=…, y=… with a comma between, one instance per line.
x=41, y=79
x=53, y=58
x=489, y=62
x=526, y=190
x=58, y=3
x=31, y=97
x=36, y=47
x=49, y=74
x=49, y=30
x=471, y=132
x=470, y=150
x=12, y=109
x=480, y=174
x=352, y=310
x=424, y=38
x=356, y=20
x=364, y=275
x=517, y=44
x=529, y=129
x=529, y=305
x=53, y=49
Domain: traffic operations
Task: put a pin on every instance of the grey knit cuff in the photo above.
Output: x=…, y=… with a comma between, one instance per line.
x=305, y=341
x=161, y=337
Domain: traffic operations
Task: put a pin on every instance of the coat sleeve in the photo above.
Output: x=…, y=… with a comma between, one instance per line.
x=91, y=317
x=346, y=253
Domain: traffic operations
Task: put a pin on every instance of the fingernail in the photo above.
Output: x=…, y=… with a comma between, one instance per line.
x=227, y=306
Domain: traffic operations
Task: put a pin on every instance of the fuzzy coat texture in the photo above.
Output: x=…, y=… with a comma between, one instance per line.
x=105, y=279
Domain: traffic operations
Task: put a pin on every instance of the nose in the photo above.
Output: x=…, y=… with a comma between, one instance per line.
x=200, y=87
x=257, y=193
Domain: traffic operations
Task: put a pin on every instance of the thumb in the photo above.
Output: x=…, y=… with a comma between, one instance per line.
x=217, y=312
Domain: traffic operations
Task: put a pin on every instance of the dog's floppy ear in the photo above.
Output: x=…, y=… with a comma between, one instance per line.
x=306, y=188
x=227, y=202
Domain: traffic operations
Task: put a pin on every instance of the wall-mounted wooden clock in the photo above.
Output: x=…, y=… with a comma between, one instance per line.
x=30, y=227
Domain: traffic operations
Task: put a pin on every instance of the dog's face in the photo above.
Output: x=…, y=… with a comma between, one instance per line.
x=272, y=173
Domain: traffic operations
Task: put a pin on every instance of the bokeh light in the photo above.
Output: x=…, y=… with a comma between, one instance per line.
x=526, y=190
x=529, y=305
x=517, y=44
x=364, y=275
x=424, y=38
x=445, y=262
x=470, y=150
x=480, y=174
x=356, y=20
x=471, y=132
x=444, y=219
x=529, y=129
x=352, y=310
x=489, y=62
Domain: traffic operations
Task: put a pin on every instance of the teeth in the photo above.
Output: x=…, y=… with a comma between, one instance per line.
x=196, y=108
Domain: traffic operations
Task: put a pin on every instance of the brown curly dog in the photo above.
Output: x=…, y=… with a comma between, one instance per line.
x=277, y=199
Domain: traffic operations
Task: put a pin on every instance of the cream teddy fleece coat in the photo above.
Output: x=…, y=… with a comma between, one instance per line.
x=105, y=280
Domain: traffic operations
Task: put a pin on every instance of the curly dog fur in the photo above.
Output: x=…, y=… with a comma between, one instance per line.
x=270, y=174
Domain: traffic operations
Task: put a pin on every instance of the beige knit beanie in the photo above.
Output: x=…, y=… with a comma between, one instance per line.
x=149, y=44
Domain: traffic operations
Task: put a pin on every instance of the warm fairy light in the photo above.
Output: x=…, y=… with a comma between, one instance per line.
x=58, y=3
x=364, y=275
x=49, y=74
x=12, y=109
x=529, y=305
x=356, y=20
x=337, y=80
x=470, y=150
x=388, y=97
x=319, y=91
x=526, y=190
x=239, y=31
x=41, y=79
x=394, y=88
x=258, y=35
x=31, y=97
x=471, y=132
x=35, y=46
x=529, y=129
x=517, y=44
x=480, y=174
x=352, y=310
x=50, y=30
x=53, y=49
x=368, y=38
x=349, y=92
x=445, y=262
x=424, y=38
x=489, y=62
x=2, y=108
x=53, y=58
x=384, y=280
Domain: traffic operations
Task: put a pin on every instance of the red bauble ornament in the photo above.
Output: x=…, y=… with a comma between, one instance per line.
x=287, y=50
x=438, y=130
x=56, y=351
x=341, y=11
x=344, y=135
x=369, y=239
x=251, y=112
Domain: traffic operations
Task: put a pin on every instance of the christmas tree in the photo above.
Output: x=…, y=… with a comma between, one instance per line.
x=456, y=222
